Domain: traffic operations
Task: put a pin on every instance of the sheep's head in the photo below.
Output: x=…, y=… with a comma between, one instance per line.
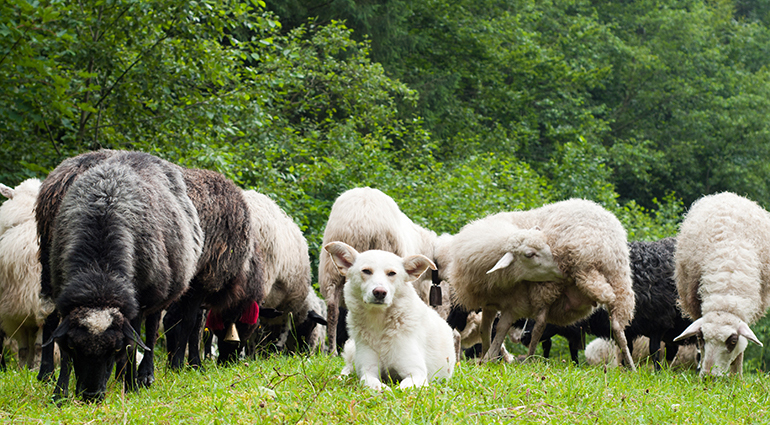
x=375, y=277
x=528, y=256
x=94, y=338
x=722, y=337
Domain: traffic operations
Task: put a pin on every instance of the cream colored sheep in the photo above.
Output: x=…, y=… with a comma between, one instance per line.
x=367, y=219
x=287, y=279
x=576, y=258
x=723, y=277
x=22, y=311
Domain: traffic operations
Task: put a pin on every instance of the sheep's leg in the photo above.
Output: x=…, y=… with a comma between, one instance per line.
x=180, y=322
x=63, y=384
x=537, y=331
x=194, y=341
x=332, y=317
x=146, y=372
x=2, y=351
x=503, y=326
x=488, y=315
x=655, y=350
x=458, y=344
x=47, y=365
x=619, y=334
x=547, y=347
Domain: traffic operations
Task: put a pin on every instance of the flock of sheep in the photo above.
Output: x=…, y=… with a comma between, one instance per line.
x=113, y=242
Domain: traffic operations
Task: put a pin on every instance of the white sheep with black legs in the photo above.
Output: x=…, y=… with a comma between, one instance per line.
x=22, y=311
x=583, y=262
x=723, y=277
x=367, y=219
x=287, y=277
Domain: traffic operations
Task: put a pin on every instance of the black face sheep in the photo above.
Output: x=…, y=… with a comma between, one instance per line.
x=723, y=277
x=229, y=277
x=125, y=243
x=50, y=196
x=588, y=245
x=367, y=219
x=22, y=310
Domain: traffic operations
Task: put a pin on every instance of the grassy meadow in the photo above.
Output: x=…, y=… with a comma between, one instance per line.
x=308, y=389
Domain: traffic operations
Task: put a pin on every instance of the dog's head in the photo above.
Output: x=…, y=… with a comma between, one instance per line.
x=377, y=275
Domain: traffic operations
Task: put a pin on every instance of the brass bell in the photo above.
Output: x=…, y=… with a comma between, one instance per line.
x=232, y=334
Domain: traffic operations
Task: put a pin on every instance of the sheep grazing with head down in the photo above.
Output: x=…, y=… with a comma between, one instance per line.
x=22, y=311
x=554, y=264
x=367, y=219
x=723, y=277
x=287, y=282
x=124, y=244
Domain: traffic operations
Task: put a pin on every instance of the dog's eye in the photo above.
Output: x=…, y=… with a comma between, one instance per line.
x=391, y=273
x=366, y=271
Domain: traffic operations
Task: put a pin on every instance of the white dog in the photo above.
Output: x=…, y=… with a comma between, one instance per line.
x=392, y=331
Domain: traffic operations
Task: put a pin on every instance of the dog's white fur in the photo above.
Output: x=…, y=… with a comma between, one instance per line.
x=394, y=333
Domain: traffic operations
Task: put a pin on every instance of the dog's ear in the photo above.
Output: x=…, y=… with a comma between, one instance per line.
x=415, y=265
x=343, y=255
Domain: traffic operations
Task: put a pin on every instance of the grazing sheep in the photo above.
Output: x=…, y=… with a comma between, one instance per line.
x=656, y=313
x=367, y=219
x=288, y=276
x=573, y=257
x=22, y=311
x=124, y=244
x=50, y=196
x=392, y=331
x=230, y=272
x=723, y=277
x=308, y=331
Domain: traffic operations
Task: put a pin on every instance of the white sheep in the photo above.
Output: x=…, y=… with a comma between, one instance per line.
x=723, y=277
x=367, y=219
x=287, y=280
x=22, y=311
x=603, y=351
x=554, y=264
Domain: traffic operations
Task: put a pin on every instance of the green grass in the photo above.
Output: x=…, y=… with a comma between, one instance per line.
x=308, y=390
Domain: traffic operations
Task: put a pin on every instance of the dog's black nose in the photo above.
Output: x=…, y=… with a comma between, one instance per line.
x=379, y=293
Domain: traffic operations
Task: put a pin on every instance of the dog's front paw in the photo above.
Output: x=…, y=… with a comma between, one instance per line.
x=411, y=382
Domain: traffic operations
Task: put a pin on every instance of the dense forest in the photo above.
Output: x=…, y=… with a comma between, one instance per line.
x=456, y=109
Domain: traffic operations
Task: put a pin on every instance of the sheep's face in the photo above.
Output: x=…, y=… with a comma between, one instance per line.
x=723, y=338
x=528, y=256
x=94, y=339
x=376, y=277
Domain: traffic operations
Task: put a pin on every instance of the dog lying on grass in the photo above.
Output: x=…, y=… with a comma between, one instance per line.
x=392, y=332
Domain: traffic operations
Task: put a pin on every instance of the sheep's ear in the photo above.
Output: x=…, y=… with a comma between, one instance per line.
x=745, y=331
x=6, y=191
x=504, y=262
x=415, y=265
x=315, y=317
x=343, y=255
x=692, y=330
x=59, y=332
x=131, y=334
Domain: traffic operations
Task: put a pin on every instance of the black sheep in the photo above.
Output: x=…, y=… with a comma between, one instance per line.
x=124, y=244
